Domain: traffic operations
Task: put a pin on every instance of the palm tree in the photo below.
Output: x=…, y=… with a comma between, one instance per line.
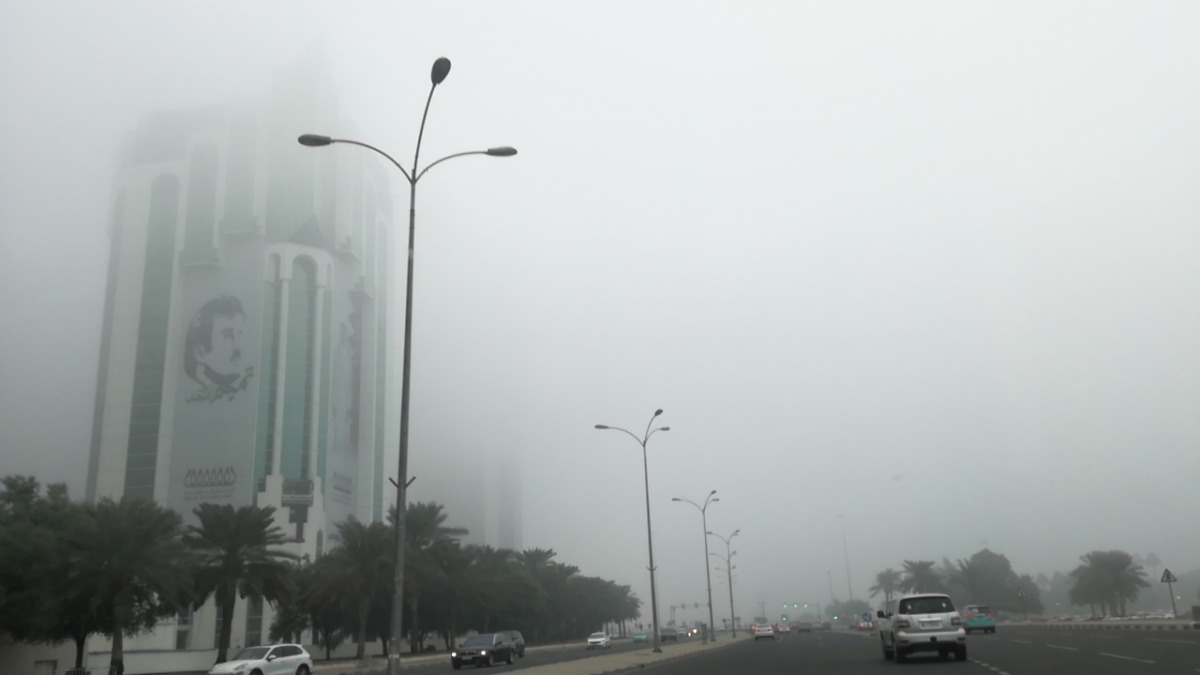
x=887, y=582
x=359, y=569
x=131, y=554
x=1108, y=579
x=234, y=556
x=920, y=577
x=427, y=543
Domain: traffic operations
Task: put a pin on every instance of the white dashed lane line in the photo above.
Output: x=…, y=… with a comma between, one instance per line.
x=1072, y=649
x=994, y=669
x=1174, y=642
x=1126, y=658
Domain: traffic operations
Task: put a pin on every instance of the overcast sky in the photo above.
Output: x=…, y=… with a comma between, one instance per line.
x=930, y=265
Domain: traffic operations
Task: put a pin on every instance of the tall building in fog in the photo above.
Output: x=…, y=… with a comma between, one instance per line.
x=243, y=358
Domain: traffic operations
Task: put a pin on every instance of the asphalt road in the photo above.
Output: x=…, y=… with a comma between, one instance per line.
x=1011, y=651
x=533, y=657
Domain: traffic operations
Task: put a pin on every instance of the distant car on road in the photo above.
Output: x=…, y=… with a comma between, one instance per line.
x=267, y=660
x=763, y=631
x=599, y=641
x=669, y=634
x=641, y=636
x=978, y=617
x=485, y=649
x=802, y=627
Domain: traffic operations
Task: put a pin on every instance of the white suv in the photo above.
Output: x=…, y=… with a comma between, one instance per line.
x=923, y=622
x=267, y=660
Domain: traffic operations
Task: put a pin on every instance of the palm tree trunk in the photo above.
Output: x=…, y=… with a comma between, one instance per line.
x=364, y=606
x=116, y=665
x=80, y=642
x=227, y=598
x=417, y=643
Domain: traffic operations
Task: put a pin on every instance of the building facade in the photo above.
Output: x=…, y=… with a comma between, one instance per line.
x=243, y=356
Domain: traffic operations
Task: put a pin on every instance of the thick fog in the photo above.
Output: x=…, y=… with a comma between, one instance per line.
x=930, y=267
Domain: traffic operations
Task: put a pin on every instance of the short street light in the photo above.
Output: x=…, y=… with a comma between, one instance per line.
x=441, y=68
x=645, y=437
x=707, y=574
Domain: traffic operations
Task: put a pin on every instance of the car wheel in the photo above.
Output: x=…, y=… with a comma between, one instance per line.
x=887, y=653
x=302, y=670
x=509, y=658
x=960, y=653
x=900, y=655
x=491, y=660
x=457, y=665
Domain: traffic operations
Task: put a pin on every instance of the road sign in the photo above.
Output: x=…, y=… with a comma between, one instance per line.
x=1167, y=577
x=866, y=616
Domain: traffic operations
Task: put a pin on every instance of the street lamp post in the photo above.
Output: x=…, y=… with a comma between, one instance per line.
x=729, y=570
x=649, y=539
x=846, y=552
x=441, y=68
x=707, y=574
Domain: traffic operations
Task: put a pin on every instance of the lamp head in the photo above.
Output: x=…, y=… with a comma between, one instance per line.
x=314, y=140
x=441, y=68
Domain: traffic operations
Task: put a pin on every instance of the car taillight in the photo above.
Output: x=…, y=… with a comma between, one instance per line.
x=901, y=623
x=955, y=621
x=967, y=616
x=989, y=615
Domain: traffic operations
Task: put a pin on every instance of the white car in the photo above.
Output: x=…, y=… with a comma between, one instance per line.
x=763, y=631
x=267, y=660
x=599, y=641
x=923, y=622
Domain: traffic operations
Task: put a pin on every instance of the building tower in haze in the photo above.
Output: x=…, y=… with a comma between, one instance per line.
x=244, y=336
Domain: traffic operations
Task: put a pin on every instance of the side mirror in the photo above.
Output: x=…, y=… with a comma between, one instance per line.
x=270, y=657
x=880, y=614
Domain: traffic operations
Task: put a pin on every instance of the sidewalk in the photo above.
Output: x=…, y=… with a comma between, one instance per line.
x=596, y=665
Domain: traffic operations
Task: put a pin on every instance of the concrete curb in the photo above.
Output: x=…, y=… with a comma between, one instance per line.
x=1114, y=625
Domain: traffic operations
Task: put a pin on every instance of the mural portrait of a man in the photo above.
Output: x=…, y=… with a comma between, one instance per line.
x=212, y=355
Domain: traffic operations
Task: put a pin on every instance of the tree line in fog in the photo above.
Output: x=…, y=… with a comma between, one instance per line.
x=69, y=570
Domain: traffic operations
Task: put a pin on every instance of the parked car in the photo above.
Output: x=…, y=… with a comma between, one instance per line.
x=668, y=634
x=763, y=631
x=599, y=641
x=978, y=617
x=268, y=660
x=923, y=622
x=640, y=636
x=518, y=641
x=484, y=649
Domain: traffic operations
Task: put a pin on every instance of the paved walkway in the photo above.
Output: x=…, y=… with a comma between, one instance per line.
x=594, y=665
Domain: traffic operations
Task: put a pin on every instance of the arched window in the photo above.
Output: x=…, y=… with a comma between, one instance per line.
x=299, y=369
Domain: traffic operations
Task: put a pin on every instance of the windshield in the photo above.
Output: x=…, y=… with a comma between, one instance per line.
x=479, y=640
x=252, y=654
x=932, y=605
x=597, y=635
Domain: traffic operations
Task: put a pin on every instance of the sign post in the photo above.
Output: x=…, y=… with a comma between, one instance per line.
x=1024, y=608
x=1168, y=579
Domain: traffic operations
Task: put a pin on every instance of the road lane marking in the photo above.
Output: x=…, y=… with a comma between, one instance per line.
x=1073, y=649
x=1107, y=637
x=1174, y=642
x=1127, y=658
x=1024, y=642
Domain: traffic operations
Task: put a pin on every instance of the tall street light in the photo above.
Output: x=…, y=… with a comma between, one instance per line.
x=649, y=539
x=846, y=553
x=707, y=574
x=728, y=570
x=441, y=68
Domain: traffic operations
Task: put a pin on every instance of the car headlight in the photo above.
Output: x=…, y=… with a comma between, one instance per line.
x=454, y=655
x=240, y=668
x=483, y=652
